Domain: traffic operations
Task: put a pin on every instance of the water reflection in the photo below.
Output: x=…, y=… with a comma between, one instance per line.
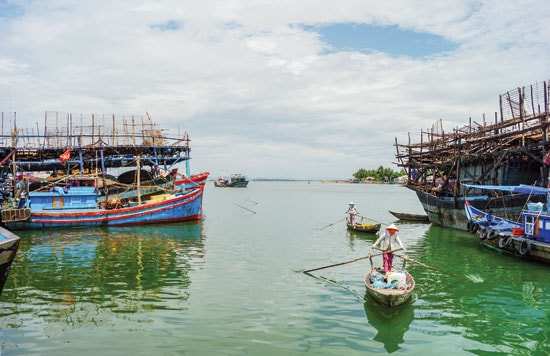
x=81, y=276
x=391, y=324
x=504, y=306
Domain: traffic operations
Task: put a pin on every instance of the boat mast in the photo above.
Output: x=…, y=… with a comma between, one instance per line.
x=138, y=170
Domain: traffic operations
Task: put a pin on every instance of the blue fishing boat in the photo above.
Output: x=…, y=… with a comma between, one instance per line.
x=79, y=203
x=60, y=178
x=527, y=236
x=9, y=243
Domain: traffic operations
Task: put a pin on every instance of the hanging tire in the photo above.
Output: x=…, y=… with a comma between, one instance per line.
x=524, y=247
x=483, y=232
x=504, y=241
x=492, y=234
x=474, y=227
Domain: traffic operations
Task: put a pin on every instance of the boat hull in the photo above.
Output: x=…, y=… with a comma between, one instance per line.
x=168, y=208
x=366, y=228
x=390, y=298
x=410, y=217
x=449, y=212
x=9, y=243
x=514, y=237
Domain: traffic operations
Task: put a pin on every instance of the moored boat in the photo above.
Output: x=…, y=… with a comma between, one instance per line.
x=509, y=150
x=9, y=243
x=527, y=237
x=410, y=217
x=79, y=204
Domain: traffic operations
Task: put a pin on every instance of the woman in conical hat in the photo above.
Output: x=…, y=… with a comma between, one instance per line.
x=388, y=241
x=352, y=212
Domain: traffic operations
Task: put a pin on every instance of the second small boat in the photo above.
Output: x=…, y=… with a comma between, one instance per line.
x=410, y=217
x=364, y=227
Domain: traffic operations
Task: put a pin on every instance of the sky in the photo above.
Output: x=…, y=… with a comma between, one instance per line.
x=291, y=89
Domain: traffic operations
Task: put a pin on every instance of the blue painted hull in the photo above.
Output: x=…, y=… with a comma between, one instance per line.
x=187, y=206
x=528, y=237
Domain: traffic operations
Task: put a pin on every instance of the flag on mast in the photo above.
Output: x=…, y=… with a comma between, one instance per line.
x=65, y=156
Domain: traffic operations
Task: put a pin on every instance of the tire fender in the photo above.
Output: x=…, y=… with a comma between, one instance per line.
x=492, y=234
x=524, y=247
x=483, y=232
x=504, y=241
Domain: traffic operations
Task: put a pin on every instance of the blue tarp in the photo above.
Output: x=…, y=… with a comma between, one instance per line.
x=522, y=188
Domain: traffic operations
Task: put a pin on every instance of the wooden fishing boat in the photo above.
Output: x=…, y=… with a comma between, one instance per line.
x=363, y=227
x=9, y=243
x=79, y=203
x=390, y=297
x=410, y=217
x=441, y=163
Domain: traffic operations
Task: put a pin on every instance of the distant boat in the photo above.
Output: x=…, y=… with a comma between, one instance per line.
x=235, y=181
x=410, y=217
x=9, y=243
x=79, y=204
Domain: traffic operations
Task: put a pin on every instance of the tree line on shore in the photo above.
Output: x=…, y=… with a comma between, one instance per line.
x=381, y=174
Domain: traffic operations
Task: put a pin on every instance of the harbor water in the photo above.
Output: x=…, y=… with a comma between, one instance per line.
x=233, y=284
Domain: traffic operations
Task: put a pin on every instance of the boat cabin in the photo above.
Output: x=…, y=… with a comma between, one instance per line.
x=78, y=193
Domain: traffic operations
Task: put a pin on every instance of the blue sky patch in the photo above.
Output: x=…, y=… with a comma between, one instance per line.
x=9, y=10
x=388, y=39
x=171, y=25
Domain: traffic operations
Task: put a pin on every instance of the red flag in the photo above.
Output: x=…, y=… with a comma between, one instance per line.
x=65, y=156
x=148, y=116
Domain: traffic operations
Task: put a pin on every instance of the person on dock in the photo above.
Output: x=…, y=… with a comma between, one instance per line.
x=388, y=241
x=352, y=212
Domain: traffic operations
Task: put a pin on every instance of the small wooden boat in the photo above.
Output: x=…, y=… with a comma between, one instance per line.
x=9, y=243
x=390, y=297
x=410, y=217
x=364, y=227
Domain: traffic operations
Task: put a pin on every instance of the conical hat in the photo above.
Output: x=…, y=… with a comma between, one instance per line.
x=392, y=227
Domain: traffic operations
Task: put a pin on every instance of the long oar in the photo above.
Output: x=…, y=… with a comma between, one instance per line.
x=424, y=265
x=332, y=223
x=346, y=262
x=364, y=217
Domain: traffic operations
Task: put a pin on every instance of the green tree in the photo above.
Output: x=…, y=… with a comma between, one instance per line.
x=381, y=174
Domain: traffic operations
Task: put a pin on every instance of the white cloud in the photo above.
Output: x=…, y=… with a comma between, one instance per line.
x=254, y=89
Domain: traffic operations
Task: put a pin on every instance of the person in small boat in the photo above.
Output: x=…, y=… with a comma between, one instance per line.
x=352, y=211
x=388, y=241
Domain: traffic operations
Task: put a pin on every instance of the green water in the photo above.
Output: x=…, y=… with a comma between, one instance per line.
x=231, y=284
